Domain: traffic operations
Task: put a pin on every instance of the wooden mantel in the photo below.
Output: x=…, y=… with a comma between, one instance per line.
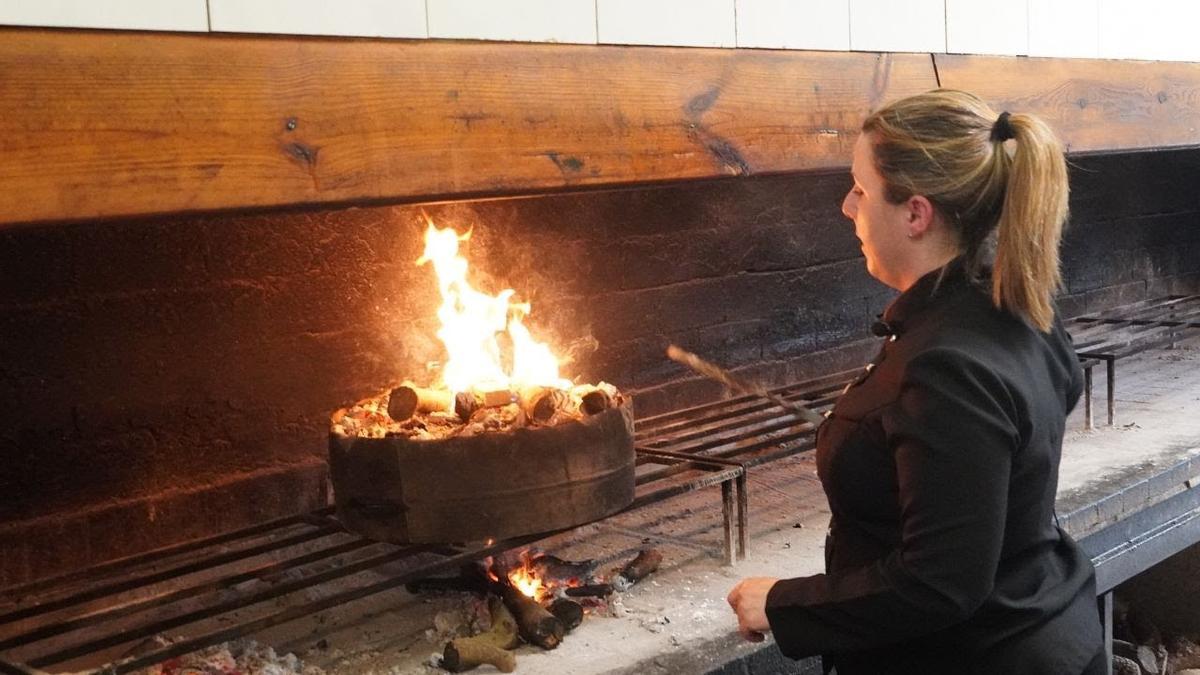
x=113, y=124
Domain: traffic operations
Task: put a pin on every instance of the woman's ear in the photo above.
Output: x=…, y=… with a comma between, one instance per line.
x=920, y=216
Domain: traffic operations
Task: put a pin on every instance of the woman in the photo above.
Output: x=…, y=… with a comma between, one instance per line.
x=941, y=462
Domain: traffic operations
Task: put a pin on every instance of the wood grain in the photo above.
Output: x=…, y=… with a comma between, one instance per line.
x=1095, y=105
x=106, y=124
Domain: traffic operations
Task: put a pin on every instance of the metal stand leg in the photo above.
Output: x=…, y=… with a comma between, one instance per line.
x=727, y=514
x=1111, y=368
x=743, y=506
x=1106, y=618
x=1089, y=419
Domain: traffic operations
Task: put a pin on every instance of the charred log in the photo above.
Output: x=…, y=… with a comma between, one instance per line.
x=569, y=612
x=644, y=564
x=554, y=569
x=536, y=625
x=540, y=403
x=596, y=401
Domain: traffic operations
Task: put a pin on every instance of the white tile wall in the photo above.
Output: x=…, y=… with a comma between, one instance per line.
x=1066, y=28
x=1166, y=30
x=698, y=23
x=374, y=18
x=1114, y=29
x=794, y=24
x=527, y=20
x=189, y=15
x=898, y=26
x=976, y=27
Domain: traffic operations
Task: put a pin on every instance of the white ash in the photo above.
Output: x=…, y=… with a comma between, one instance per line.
x=243, y=656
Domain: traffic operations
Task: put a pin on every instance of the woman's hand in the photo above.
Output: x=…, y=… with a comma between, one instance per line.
x=749, y=601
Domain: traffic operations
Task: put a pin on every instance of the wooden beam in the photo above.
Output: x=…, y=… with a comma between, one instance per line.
x=1094, y=105
x=106, y=124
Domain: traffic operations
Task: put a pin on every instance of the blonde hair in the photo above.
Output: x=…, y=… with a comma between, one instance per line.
x=944, y=145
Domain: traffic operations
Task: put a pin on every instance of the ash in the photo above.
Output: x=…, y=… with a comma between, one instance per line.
x=237, y=657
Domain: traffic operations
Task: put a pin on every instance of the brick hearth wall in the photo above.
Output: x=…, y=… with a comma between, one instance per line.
x=162, y=380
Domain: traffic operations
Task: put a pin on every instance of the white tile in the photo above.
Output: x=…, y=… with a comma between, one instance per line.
x=982, y=27
x=793, y=24
x=1064, y=28
x=369, y=18
x=697, y=23
x=525, y=20
x=1163, y=30
x=188, y=15
x=898, y=26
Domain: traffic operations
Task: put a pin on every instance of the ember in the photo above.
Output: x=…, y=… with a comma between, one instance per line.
x=527, y=593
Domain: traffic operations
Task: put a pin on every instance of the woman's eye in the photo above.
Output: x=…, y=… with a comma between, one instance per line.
x=857, y=191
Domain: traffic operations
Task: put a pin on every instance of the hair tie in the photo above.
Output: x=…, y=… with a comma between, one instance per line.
x=1002, y=130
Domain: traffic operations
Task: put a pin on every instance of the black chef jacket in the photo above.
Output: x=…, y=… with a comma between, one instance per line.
x=941, y=466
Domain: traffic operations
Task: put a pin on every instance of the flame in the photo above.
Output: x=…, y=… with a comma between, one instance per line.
x=523, y=580
x=472, y=320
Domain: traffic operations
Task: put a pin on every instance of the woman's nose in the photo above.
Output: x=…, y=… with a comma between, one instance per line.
x=848, y=205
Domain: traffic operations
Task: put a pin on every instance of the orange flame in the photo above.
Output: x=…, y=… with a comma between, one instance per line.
x=523, y=580
x=471, y=320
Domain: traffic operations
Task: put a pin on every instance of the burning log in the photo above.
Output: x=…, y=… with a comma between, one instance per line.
x=408, y=400
x=467, y=403
x=644, y=564
x=536, y=625
x=596, y=401
x=551, y=568
x=540, y=403
x=569, y=612
x=491, y=647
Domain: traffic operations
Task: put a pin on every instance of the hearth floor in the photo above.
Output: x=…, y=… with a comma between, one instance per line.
x=677, y=620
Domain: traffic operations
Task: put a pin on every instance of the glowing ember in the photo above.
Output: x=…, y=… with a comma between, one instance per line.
x=472, y=320
x=523, y=580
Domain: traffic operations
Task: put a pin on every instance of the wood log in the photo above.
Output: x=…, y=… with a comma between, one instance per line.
x=540, y=403
x=467, y=403
x=491, y=647
x=536, y=625
x=551, y=568
x=569, y=612
x=408, y=400
x=595, y=401
x=645, y=563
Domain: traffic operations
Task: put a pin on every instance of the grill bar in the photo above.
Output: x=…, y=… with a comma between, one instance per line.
x=1127, y=330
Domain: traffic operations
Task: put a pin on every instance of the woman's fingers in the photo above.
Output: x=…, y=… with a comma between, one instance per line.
x=751, y=635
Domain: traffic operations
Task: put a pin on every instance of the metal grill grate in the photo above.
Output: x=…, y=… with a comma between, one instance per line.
x=212, y=587
x=1127, y=330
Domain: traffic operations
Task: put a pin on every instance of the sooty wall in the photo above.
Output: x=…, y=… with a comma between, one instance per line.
x=161, y=380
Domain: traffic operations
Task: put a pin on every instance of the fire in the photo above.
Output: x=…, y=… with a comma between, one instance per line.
x=471, y=321
x=524, y=580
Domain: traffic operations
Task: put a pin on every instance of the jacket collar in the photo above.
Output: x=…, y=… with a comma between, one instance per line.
x=902, y=312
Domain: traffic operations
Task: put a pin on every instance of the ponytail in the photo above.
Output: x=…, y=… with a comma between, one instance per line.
x=950, y=146
x=1026, y=273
